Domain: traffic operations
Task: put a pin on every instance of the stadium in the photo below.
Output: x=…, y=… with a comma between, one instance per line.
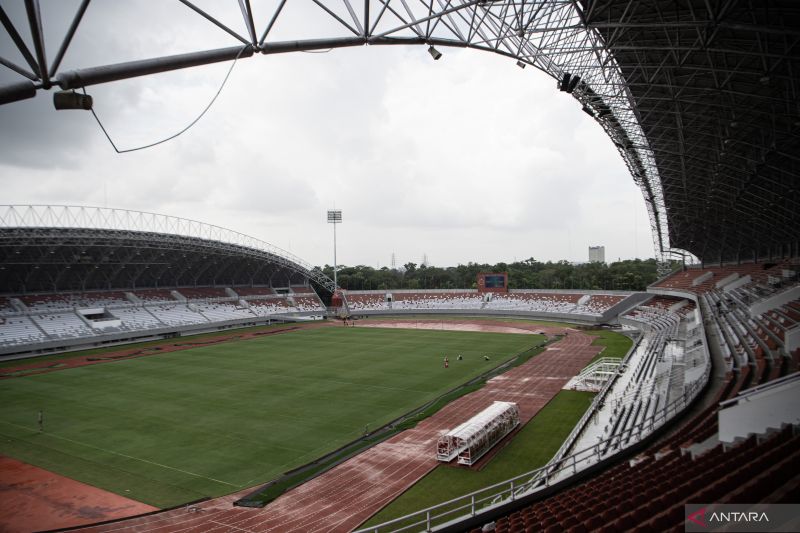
x=162, y=373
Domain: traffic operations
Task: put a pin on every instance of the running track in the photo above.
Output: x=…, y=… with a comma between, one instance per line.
x=347, y=495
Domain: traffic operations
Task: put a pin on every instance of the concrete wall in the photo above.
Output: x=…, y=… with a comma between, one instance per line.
x=774, y=301
x=769, y=406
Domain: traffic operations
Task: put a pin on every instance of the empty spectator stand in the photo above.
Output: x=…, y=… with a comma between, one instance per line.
x=301, y=289
x=62, y=325
x=177, y=314
x=46, y=302
x=698, y=279
x=269, y=305
x=154, y=295
x=578, y=306
x=42, y=323
x=366, y=300
x=202, y=293
x=135, y=318
x=101, y=299
x=222, y=311
x=307, y=303
x=536, y=301
x=650, y=493
x=600, y=303
x=19, y=330
x=253, y=291
x=436, y=299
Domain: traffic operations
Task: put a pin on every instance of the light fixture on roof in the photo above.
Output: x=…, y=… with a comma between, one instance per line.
x=520, y=64
x=72, y=100
x=435, y=54
x=568, y=82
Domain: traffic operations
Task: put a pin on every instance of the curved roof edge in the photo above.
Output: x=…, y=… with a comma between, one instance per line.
x=91, y=217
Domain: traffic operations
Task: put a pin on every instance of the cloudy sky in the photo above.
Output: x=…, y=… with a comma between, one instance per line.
x=468, y=158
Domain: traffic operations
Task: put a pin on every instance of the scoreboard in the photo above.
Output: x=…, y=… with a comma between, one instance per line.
x=493, y=282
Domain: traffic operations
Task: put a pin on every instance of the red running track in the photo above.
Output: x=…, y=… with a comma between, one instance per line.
x=347, y=495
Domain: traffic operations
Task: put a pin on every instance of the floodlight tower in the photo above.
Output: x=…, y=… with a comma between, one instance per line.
x=334, y=217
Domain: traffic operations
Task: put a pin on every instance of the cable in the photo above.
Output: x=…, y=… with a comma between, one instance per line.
x=192, y=123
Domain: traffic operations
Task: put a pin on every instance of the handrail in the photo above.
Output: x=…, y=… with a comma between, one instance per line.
x=599, y=399
x=759, y=388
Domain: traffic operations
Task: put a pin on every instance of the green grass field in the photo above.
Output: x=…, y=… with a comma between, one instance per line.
x=171, y=428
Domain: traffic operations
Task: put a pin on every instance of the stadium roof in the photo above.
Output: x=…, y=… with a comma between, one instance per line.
x=699, y=96
x=715, y=88
x=63, y=248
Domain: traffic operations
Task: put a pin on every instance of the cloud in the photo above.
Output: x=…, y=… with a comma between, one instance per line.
x=466, y=158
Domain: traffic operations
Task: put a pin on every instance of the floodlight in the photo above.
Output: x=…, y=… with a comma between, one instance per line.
x=334, y=217
x=72, y=100
x=435, y=54
x=562, y=86
x=520, y=64
x=573, y=83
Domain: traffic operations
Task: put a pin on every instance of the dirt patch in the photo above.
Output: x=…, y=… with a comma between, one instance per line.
x=32, y=499
x=172, y=345
x=492, y=326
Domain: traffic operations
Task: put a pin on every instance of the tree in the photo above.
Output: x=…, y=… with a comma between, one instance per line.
x=633, y=275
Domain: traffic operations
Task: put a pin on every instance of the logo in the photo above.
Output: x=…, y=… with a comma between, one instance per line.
x=698, y=517
x=742, y=517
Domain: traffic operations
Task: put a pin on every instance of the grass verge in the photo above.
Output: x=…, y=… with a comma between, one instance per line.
x=616, y=344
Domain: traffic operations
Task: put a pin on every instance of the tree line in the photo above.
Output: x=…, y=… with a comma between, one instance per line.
x=628, y=275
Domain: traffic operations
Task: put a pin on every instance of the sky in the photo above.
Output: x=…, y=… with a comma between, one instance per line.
x=468, y=158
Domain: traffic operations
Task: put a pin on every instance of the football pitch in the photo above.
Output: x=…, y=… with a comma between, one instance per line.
x=175, y=427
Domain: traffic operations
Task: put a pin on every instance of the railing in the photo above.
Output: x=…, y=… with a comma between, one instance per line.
x=759, y=389
x=494, y=496
x=597, y=403
x=71, y=307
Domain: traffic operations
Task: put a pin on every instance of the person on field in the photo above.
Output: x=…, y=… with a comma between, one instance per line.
x=460, y=357
x=446, y=362
x=41, y=420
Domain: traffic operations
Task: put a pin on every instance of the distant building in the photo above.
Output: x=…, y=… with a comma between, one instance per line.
x=597, y=254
